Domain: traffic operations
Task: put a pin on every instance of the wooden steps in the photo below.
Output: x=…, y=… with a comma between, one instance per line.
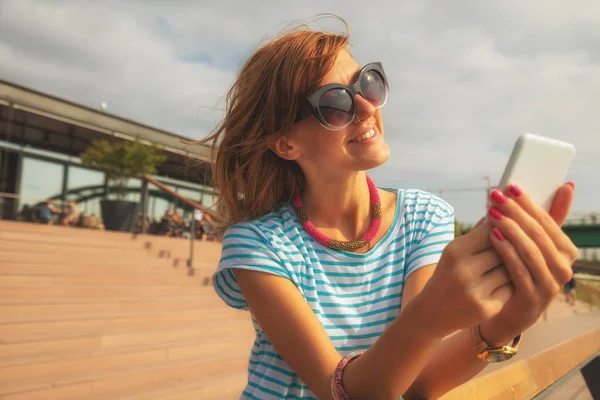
x=28, y=294
x=41, y=373
x=89, y=314
x=159, y=246
x=124, y=383
x=65, y=311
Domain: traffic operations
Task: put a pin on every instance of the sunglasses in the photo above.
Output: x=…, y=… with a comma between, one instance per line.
x=334, y=105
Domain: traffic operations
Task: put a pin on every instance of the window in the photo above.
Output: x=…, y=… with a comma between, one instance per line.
x=86, y=185
x=40, y=180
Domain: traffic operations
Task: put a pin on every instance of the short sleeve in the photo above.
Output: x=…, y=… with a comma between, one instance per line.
x=430, y=226
x=244, y=247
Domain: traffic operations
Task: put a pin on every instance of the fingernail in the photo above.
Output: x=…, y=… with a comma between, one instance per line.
x=498, y=234
x=571, y=184
x=494, y=213
x=514, y=190
x=498, y=197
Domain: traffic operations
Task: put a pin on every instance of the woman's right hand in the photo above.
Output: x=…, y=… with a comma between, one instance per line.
x=469, y=284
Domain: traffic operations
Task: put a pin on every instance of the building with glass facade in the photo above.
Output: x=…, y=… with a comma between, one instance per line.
x=41, y=137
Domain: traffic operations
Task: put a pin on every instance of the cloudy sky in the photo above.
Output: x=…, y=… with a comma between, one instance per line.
x=467, y=76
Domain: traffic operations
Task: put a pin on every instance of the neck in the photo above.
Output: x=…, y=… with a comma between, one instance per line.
x=340, y=203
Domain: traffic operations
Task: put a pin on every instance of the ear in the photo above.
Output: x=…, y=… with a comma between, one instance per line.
x=284, y=147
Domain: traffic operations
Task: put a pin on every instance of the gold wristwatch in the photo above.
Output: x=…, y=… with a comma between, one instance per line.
x=498, y=354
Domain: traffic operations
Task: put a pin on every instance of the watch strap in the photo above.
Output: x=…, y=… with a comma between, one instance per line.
x=484, y=351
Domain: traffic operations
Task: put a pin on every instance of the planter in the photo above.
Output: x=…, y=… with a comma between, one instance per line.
x=118, y=215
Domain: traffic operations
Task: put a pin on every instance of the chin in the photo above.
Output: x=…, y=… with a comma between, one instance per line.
x=376, y=160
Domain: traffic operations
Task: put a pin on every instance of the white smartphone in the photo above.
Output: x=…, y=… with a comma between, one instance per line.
x=538, y=165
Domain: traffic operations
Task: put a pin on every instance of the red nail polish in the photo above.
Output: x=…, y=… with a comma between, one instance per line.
x=514, y=190
x=498, y=197
x=498, y=234
x=571, y=184
x=494, y=213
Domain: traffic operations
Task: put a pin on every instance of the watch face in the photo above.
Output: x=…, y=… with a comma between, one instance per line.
x=499, y=357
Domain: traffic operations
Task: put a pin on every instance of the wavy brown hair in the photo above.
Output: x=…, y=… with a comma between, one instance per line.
x=248, y=178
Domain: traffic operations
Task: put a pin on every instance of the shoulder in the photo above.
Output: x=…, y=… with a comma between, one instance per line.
x=426, y=203
x=265, y=229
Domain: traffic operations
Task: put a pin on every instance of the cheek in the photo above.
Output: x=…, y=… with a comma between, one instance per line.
x=379, y=120
x=315, y=139
x=323, y=143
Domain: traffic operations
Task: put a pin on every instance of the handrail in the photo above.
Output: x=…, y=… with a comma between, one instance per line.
x=528, y=378
x=18, y=196
x=209, y=215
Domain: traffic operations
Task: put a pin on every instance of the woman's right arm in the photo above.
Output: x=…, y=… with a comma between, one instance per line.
x=459, y=294
x=302, y=342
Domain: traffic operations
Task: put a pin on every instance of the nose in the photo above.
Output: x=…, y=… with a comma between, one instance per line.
x=364, y=109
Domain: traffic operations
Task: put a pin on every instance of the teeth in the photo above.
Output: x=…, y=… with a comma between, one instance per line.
x=365, y=136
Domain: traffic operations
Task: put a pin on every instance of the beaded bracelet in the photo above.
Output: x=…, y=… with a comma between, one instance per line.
x=337, y=387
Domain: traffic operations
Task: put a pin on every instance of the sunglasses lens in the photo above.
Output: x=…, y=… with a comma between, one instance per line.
x=373, y=88
x=335, y=106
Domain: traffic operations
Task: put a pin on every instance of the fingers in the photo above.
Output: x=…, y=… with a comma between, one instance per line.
x=481, y=221
x=556, y=248
x=504, y=206
x=561, y=205
x=478, y=239
x=560, y=209
x=522, y=258
x=485, y=261
x=503, y=293
x=494, y=279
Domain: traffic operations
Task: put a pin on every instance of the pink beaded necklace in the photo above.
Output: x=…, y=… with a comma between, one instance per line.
x=339, y=244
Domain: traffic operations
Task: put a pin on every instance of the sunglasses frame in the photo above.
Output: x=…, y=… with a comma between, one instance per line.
x=312, y=101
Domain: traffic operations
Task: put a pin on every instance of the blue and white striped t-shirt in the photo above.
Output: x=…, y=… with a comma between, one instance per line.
x=355, y=296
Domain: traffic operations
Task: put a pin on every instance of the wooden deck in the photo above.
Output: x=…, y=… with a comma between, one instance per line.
x=102, y=315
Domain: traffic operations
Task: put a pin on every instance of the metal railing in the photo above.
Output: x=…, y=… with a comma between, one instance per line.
x=210, y=217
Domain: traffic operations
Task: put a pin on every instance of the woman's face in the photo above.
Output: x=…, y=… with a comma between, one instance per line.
x=319, y=150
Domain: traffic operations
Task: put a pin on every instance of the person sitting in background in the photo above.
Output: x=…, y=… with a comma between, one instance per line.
x=26, y=213
x=168, y=224
x=70, y=214
x=46, y=211
x=199, y=231
x=569, y=290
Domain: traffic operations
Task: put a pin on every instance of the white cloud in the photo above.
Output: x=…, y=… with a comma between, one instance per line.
x=467, y=76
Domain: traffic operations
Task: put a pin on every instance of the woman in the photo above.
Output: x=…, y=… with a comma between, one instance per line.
x=347, y=280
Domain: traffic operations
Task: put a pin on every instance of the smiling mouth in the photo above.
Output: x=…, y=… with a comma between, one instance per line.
x=364, y=136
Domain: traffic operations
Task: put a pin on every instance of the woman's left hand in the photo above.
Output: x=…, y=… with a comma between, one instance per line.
x=537, y=255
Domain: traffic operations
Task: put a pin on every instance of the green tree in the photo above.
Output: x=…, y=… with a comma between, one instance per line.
x=461, y=229
x=123, y=160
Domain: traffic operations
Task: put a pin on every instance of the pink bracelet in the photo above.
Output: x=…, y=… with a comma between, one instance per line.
x=337, y=387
